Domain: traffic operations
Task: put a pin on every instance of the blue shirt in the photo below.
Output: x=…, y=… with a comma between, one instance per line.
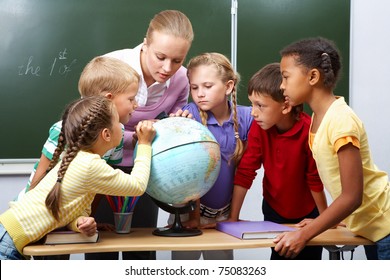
x=221, y=193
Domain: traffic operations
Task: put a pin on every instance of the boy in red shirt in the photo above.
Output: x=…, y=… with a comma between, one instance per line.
x=278, y=141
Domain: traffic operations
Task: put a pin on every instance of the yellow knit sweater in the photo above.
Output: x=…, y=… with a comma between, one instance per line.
x=28, y=219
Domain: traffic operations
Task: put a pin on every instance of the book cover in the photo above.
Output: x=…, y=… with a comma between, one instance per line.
x=253, y=229
x=69, y=237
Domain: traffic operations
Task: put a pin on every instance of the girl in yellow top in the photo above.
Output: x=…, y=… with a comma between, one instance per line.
x=63, y=197
x=338, y=140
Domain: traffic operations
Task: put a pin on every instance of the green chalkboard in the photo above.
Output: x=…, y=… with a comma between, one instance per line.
x=266, y=26
x=45, y=44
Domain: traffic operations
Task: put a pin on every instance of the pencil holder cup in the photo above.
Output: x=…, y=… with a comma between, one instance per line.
x=123, y=222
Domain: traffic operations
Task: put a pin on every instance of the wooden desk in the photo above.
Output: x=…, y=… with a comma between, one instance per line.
x=142, y=239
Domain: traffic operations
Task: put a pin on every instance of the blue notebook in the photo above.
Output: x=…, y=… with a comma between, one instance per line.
x=253, y=229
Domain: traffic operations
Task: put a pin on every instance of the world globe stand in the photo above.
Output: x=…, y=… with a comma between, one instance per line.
x=177, y=229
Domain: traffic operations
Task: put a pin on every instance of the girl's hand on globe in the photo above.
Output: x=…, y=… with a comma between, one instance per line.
x=145, y=132
x=181, y=113
x=134, y=139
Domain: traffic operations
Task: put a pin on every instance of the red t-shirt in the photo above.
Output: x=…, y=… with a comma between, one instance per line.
x=290, y=172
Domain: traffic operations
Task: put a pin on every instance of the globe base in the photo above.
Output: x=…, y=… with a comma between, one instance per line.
x=177, y=232
x=177, y=229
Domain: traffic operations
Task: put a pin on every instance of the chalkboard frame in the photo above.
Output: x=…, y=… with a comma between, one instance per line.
x=46, y=44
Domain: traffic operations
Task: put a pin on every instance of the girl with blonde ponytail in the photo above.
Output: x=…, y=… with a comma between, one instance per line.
x=213, y=86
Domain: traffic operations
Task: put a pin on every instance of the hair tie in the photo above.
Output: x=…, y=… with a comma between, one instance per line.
x=326, y=62
x=59, y=180
x=236, y=135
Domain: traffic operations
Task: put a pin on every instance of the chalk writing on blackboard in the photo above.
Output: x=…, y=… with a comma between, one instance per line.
x=60, y=65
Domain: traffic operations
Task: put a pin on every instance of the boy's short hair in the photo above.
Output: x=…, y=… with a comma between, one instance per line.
x=267, y=81
x=106, y=75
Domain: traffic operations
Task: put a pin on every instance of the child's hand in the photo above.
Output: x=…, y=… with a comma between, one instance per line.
x=181, y=113
x=307, y=221
x=304, y=222
x=289, y=244
x=145, y=132
x=87, y=225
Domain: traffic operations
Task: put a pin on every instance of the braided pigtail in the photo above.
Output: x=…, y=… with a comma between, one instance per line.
x=239, y=150
x=86, y=119
x=60, y=148
x=203, y=117
x=54, y=196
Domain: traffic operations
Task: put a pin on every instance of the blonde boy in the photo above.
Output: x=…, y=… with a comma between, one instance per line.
x=104, y=76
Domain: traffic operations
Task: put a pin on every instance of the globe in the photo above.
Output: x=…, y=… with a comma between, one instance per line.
x=186, y=161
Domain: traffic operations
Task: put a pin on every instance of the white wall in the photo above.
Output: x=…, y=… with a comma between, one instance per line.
x=369, y=96
x=370, y=73
x=10, y=186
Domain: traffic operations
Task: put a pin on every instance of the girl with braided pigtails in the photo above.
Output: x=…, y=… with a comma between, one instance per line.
x=213, y=87
x=63, y=197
